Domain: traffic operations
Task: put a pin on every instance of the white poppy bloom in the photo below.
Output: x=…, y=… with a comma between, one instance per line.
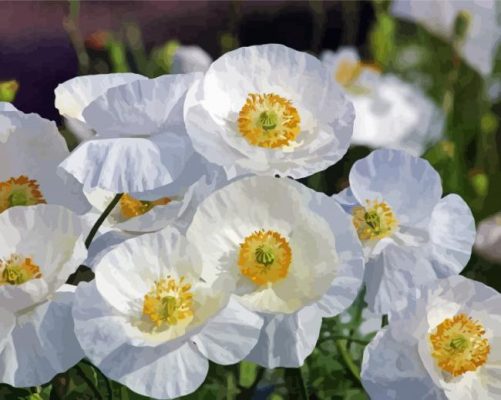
x=438, y=16
x=74, y=95
x=149, y=214
x=40, y=247
x=269, y=110
x=31, y=148
x=292, y=253
x=410, y=234
x=190, y=59
x=390, y=113
x=444, y=345
x=140, y=143
x=149, y=322
x=488, y=240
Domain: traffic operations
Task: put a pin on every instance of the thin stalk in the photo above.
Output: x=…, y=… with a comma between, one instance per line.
x=346, y=357
x=101, y=219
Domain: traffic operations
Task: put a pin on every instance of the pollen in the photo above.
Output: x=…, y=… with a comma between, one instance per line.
x=269, y=120
x=169, y=302
x=375, y=221
x=20, y=191
x=264, y=257
x=131, y=207
x=458, y=345
x=17, y=270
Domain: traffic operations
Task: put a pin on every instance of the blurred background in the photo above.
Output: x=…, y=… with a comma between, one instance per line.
x=43, y=44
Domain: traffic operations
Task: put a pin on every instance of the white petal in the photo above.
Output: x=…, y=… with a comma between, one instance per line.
x=128, y=165
x=5, y=106
x=488, y=241
x=452, y=232
x=138, y=262
x=53, y=237
x=287, y=339
x=408, y=184
x=141, y=108
x=32, y=146
x=190, y=59
x=42, y=344
x=75, y=94
x=350, y=267
x=410, y=120
x=390, y=277
x=163, y=371
x=7, y=324
x=392, y=370
x=230, y=335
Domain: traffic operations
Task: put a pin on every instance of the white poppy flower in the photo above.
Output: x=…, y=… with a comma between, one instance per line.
x=31, y=148
x=190, y=59
x=410, y=234
x=149, y=322
x=74, y=95
x=40, y=247
x=389, y=112
x=438, y=16
x=140, y=143
x=269, y=110
x=488, y=241
x=292, y=254
x=149, y=214
x=445, y=345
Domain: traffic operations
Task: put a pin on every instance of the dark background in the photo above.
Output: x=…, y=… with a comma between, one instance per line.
x=35, y=48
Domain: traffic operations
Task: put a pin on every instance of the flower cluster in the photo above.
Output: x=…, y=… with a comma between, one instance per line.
x=182, y=199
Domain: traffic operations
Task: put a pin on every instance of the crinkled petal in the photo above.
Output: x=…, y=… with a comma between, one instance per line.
x=33, y=147
x=392, y=274
x=75, y=94
x=128, y=165
x=410, y=185
x=392, y=370
x=287, y=339
x=141, y=108
x=165, y=371
x=53, y=237
x=230, y=335
x=452, y=233
x=42, y=344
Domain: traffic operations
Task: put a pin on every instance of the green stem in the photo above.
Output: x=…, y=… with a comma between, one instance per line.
x=295, y=384
x=346, y=357
x=101, y=219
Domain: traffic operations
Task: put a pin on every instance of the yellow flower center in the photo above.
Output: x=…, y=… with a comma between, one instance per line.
x=375, y=221
x=169, y=302
x=264, y=257
x=20, y=191
x=268, y=120
x=131, y=207
x=458, y=345
x=17, y=270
